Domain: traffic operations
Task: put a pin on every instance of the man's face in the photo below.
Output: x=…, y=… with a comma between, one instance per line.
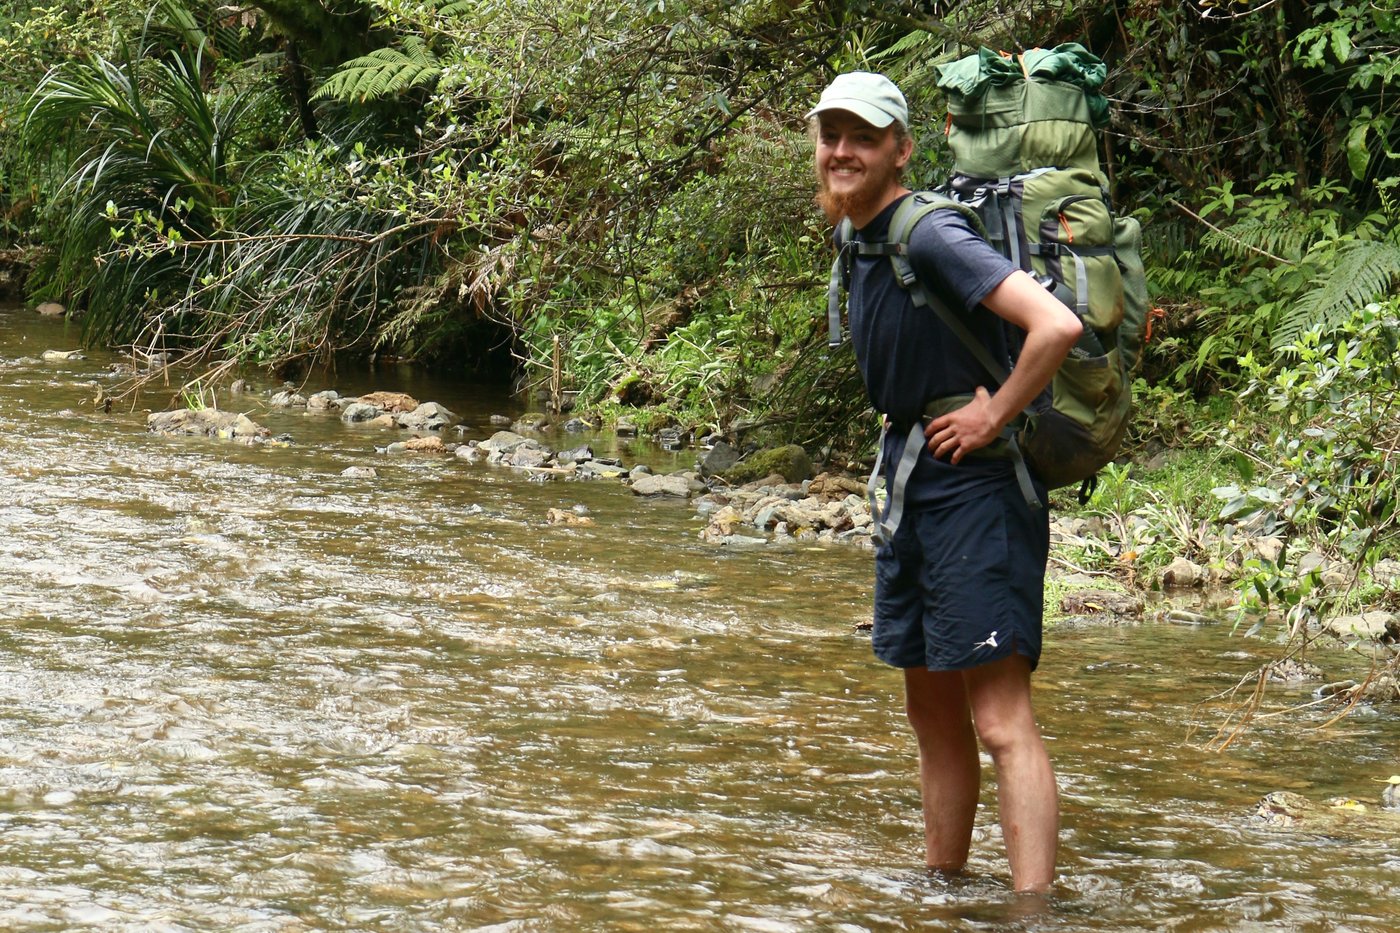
x=857, y=166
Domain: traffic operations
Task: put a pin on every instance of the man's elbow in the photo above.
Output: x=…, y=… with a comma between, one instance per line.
x=1068, y=329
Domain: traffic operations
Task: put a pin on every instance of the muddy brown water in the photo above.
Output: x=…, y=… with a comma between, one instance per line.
x=244, y=692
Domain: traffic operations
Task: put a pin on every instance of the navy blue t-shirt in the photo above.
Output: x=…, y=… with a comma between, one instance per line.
x=909, y=357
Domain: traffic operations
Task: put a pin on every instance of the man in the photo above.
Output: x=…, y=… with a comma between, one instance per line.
x=958, y=589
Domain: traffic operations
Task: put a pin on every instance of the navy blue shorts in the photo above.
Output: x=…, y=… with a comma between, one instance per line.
x=963, y=585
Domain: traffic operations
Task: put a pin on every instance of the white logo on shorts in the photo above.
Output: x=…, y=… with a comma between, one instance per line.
x=991, y=641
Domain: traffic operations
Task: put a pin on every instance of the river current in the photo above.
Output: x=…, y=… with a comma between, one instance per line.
x=243, y=691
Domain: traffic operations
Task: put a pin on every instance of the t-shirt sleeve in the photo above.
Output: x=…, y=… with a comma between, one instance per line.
x=949, y=255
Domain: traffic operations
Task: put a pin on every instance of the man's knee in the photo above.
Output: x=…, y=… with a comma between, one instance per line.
x=1005, y=732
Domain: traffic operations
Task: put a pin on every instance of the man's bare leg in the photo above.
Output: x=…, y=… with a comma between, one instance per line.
x=949, y=769
x=1000, y=696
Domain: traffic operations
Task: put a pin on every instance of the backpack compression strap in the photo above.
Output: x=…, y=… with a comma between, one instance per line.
x=901, y=227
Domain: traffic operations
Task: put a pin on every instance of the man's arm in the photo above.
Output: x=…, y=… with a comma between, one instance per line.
x=1051, y=329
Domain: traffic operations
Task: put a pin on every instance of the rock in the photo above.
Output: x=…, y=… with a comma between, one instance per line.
x=392, y=402
x=575, y=455
x=357, y=412
x=1386, y=571
x=1373, y=626
x=1283, y=808
x=431, y=444
x=671, y=438
x=1100, y=602
x=1291, y=671
x=722, y=456
x=51, y=309
x=1268, y=548
x=577, y=426
x=528, y=454
x=469, y=452
x=323, y=401
x=500, y=421
x=791, y=462
x=1311, y=561
x=531, y=421
x=673, y=485
x=567, y=517
x=287, y=399
x=599, y=469
x=832, y=485
x=1182, y=573
x=625, y=428
x=430, y=416
x=206, y=422
x=238, y=387
x=360, y=472
x=502, y=442
x=640, y=469
x=723, y=523
x=1186, y=617
x=52, y=356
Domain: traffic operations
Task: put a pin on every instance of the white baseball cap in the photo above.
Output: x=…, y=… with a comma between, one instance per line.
x=872, y=97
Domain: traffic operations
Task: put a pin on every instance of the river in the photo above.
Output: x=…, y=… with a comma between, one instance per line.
x=242, y=691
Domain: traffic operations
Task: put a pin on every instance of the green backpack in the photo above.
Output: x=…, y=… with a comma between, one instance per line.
x=1026, y=174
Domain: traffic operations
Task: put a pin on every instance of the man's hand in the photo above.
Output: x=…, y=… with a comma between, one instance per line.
x=963, y=430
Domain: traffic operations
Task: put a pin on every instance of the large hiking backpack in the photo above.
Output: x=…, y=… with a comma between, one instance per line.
x=1026, y=172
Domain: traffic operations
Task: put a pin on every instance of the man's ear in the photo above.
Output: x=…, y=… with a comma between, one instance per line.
x=906, y=151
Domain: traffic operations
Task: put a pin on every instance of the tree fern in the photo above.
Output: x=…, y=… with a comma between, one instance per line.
x=1286, y=236
x=1364, y=271
x=383, y=73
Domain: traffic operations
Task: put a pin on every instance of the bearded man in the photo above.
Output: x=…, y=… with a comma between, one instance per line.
x=958, y=588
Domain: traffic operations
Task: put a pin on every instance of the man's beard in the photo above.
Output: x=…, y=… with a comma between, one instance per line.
x=838, y=205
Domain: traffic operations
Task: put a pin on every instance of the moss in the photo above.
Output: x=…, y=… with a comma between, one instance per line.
x=791, y=462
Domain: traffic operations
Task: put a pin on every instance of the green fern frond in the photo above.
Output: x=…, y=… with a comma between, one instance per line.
x=382, y=73
x=1365, y=270
x=1286, y=236
x=457, y=7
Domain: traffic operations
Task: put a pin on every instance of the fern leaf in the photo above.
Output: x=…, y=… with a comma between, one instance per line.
x=1287, y=236
x=382, y=73
x=1365, y=270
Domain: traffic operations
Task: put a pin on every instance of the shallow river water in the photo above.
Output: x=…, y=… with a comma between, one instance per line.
x=244, y=692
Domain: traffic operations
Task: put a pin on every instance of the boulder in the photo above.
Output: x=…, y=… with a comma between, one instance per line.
x=531, y=421
x=359, y=472
x=1100, y=602
x=719, y=458
x=1183, y=573
x=322, y=401
x=430, y=416
x=52, y=356
x=575, y=455
x=528, y=454
x=1372, y=626
x=791, y=462
x=357, y=412
x=206, y=422
x=51, y=309
x=392, y=402
x=567, y=517
x=502, y=442
x=831, y=485
x=287, y=399
x=674, y=485
x=431, y=444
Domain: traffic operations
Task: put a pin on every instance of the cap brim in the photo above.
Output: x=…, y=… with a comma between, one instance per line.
x=867, y=112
